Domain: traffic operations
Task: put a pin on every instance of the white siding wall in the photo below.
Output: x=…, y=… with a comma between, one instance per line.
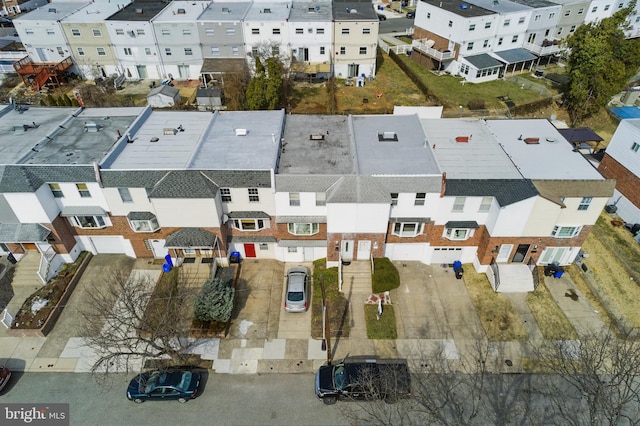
x=117, y=207
x=28, y=208
x=349, y=218
x=307, y=205
x=512, y=219
x=619, y=148
x=185, y=212
x=240, y=201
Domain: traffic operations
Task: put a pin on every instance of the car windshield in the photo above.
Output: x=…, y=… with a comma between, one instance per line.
x=295, y=296
x=339, y=377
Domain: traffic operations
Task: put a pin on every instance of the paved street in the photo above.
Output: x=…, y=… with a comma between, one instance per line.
x=271, y=399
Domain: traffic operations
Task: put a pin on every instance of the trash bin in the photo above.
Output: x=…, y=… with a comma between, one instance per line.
x=235, y=257
x=558, y=273
x=166, y=268
x=457, y=269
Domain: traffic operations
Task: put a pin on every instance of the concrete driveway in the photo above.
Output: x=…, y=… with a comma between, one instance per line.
x=294, y=325
x=432, y=304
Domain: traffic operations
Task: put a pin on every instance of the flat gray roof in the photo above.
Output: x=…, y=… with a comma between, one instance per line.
x=240, y=140
x=310, y=11
x=546, y=156
x=42, y=135
x=500, y=6
x=392, y=145
x=353, y=10
x=317, y=144
x=225, y=11
x=158, y=143
x=268, y=11
x=181, y=11
x=53, y=11
x=94, y=12
x=460, y=8
x=466, y=149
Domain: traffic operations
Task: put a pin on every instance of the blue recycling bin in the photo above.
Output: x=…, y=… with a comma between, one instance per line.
x=457, y=268
x=235, y=257
x=166, y=268
x=558, y=273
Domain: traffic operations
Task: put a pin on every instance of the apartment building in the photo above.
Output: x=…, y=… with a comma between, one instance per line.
x=355, y=38
x=311, y=31
x=266, y=31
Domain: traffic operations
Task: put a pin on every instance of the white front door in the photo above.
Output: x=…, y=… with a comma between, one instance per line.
x=364, y=249
x=347, y=250
x=158, y=248
x=505, y=251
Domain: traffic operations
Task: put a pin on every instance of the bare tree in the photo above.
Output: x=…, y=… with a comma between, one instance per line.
x=127, y=319
x=451, y=388
x=602, y=371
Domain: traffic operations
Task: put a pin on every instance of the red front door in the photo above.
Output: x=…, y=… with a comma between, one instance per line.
x=249, y=250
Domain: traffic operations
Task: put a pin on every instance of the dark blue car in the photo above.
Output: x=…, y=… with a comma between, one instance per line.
x=162, y=384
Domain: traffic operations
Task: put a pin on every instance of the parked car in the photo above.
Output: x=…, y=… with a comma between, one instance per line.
x=5, y=375
x=363, y=377
x=298, y=293
x=411, y=15
x=163, y=385
x=381, y=17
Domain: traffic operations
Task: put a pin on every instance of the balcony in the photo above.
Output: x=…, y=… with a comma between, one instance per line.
x=426, y=47
x=548, y=47
x=38, y=74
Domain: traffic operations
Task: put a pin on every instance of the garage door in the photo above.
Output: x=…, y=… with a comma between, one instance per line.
x=446, y=255
x=108, y=244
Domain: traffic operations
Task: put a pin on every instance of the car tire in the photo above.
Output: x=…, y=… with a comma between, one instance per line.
x=182, y=400
x=329, y=400
x=138, y=401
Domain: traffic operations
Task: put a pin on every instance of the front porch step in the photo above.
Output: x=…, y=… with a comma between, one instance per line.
x=515, y=278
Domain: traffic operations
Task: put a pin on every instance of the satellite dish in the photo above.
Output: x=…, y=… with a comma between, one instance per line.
x=554, y=117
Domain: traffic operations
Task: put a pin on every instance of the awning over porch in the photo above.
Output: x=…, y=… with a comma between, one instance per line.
x=312, y=68
x=23, y=233
x=223, y=65
x=191, y=237
x=483, y=61
x=515, y=56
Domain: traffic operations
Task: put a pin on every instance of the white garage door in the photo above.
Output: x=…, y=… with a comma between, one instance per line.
x=446, y=255
x=108, y=244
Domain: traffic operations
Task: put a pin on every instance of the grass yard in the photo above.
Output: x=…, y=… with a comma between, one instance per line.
x=337, y=304
x=309, y=98
x=383, y=328
x=452, y=93
x=603, y=124
x=499, y=318
x=385, y=277
x=552, y=321
x=613, y=259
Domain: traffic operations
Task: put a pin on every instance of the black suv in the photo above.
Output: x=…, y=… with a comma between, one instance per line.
x=363, y=377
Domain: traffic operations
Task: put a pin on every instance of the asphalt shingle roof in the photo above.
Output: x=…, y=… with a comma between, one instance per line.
x=184, y=184
x=28, y=178
x=191, y=237
x=22, y=232
x=506, y=191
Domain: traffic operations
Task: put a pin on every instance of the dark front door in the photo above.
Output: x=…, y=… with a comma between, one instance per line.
x=249, y=250
x=521, y=252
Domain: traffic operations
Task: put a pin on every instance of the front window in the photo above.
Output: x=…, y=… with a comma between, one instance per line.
x=209, y=31
x=186, y=32
x=225, y=194
x=88, y=221
x=322, y=50
x=80, y=51
x=249, y=224
x=303, y=228
x=345, y=31
x=166, y=32
x=253, y=195
x=485, y=205
x=101, y=51
x=150, y=225
x=472, y=27
x=276, y=31
x=394, y=198
x=584, y=203
x=294, y=198
x=407, y=229
x=83, y=190
x=487, y=24
x=119, y=31
x=321, y=199
x=215, y=51
x=230, y=31
x=521, y=20
x=458, y=233
x=255, y=30
x=263, y=246
x=635, y=147
x=96, y=32
x=75, y=32
x=514, y=39
x=507, y=22
x=319, y=30
x=125, y=195
x=458, y=204
x=140, y=32
x=127, y=51
x=366, y=31
x=55, y=190
x=363, y=50
x=167, y=51
x=343, y=50
x=565, y=231
x=188, y=51
x=420, y=198
x=470, y=46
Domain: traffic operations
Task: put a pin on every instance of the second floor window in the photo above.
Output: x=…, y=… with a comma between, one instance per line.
x=83, y=190
x=294, y=198
x=75, y=32
x=225, y=195
x=585, y=203
x=127, y=51
x=345, y=31
x=321, y=199
x=394, y=198
x=420, y=198
x=96, y=32
x=55, y=190
x=253, y=195
x=125, y=195
x=458, y=204
x=101, y=51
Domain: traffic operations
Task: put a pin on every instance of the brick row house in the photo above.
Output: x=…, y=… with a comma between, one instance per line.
x=184, y=40
x=293, y=188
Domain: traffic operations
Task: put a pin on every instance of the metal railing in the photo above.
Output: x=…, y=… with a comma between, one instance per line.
x=430, y=51
x=542, y=50
x=340, y=274
x=496, y=274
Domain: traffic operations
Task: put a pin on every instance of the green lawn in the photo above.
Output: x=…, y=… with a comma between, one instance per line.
x=383, y=328
x=452, y=92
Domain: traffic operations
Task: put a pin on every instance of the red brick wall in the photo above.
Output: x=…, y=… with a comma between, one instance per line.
x=376, y=240
x=627, y=182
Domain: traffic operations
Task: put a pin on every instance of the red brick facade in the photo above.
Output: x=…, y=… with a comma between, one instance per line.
x=627, y=182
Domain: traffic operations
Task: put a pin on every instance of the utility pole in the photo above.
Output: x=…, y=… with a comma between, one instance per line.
x=326, y=333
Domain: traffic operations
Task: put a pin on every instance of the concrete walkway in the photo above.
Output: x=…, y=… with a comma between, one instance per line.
x=529, y=322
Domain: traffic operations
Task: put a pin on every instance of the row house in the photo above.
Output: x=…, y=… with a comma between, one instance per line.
x=186, y=40
x=495, y=193
x=621, y=161
x=483, y=40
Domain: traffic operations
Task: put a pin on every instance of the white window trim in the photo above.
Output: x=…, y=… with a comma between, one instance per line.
x=97, y=219
x=419, y=228
x=151, y=225
x=453, y=233
x=314, y=228
x=258, y=224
